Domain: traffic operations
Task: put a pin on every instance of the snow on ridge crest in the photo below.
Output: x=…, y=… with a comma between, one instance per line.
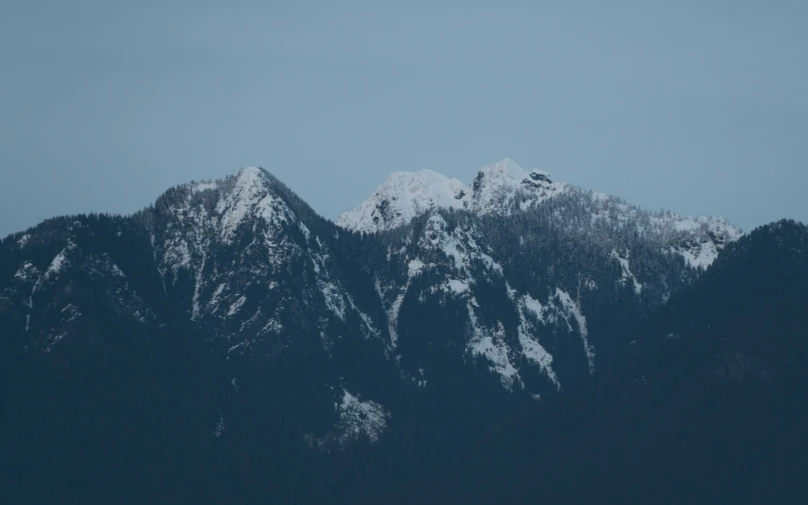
x=496, y=187
x=504, y=187
x=250, y=195
x=199, y=216
x=506, y=167
x=406, y=195
x=402, y=197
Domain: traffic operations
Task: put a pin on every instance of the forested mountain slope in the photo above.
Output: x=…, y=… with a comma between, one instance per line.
x=707, y=403
x=227, y=344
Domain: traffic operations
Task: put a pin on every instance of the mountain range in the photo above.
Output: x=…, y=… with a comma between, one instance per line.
x=228, y=344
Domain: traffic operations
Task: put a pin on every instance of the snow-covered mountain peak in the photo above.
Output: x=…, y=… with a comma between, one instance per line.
x=246, y=211
x=403, y=196
x=251, y=179
x=505, y=167
x=226, y=204
x=249, y=196
x=497, y=186
x=504, y=187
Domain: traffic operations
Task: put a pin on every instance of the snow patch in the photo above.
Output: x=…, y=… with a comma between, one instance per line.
x=511, y=292
x=356, y=419
x=534, y=306
x=458, y=246
x=271, y=325
x=574, y=309
x=457, y=286
x=26, y=272
x=305, y=230
x=699, y=258
x=414, y=267
x=333, y=298
x=56, y=266
x=626, y=273
x=491, y=344
x=392, y=316
x=361, y=418
x=531, y=348
x=237, y=346
x=213, y=303
x=58, y=263
x=372, y=331
x=236, y=306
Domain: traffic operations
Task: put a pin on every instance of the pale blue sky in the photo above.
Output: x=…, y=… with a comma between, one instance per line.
x=696, y=106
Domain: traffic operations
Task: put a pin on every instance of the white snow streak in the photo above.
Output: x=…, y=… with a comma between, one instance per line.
x=236, y=305
x=491, y=344
x=574, y=309
x=626, y=274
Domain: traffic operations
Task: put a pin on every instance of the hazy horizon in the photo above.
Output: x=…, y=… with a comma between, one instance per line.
x=698, y=108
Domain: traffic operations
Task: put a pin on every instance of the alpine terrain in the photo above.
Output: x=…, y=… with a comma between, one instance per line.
x=227, y=344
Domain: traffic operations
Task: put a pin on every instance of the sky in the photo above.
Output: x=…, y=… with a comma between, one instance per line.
x=695, y=106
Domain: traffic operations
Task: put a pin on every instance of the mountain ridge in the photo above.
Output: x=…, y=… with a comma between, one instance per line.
x=423, y=335
x=504, y=188
x=255, y=217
